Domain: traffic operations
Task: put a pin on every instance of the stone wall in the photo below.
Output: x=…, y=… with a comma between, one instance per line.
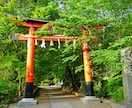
x=126, y=58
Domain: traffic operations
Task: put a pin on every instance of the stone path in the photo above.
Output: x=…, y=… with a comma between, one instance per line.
x=54, y=97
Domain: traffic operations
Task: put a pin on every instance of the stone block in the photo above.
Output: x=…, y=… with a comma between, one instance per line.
x=87, y=99
x=27, y=101
x=126, y=58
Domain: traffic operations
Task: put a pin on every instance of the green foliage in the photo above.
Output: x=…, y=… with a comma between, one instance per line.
x=114, y=88
x=1, y=106
x=40, y=9
x=48, y=64
x=49, y=11
x=78, y=69
x=110, y=88
x=110, y=58
x=121, y=43
x=44, y=32
x=7, y=91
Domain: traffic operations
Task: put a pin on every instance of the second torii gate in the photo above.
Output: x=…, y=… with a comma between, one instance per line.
x=32, y=25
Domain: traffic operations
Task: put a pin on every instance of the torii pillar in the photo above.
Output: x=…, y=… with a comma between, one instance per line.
x=30, y=65
x=28, y=93
x=88, y=71
x=87, y=66
x=32, y=25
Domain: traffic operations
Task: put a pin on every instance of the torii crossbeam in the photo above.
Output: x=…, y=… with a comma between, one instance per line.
x=32, y=25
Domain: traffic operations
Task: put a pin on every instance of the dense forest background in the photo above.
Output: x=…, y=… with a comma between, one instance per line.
x=65, y=63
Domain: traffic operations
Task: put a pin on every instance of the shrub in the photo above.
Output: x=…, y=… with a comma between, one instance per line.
x=114, y=88
x=8, y=91
x=111, y=88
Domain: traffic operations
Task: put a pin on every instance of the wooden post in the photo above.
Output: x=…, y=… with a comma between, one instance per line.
x=87, y=66
x=30, y=65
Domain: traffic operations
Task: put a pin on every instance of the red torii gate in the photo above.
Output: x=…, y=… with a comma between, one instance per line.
x=32, y=25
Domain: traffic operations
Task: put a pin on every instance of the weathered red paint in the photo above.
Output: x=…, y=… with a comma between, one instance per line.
x=86, y=58
x=30, y=57
x=30, y=24
x=49, y=38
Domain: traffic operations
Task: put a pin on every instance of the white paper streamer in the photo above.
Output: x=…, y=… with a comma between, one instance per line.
x=36, y=42
x=58, y=43
x=51, y=43
x=74, y=43
x=43, y=44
